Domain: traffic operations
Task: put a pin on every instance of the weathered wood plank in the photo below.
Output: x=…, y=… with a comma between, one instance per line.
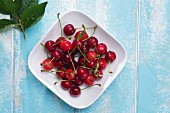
x=154, y=58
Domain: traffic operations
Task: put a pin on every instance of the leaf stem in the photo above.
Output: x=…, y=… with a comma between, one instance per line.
x=58, y=16
x=22, y=28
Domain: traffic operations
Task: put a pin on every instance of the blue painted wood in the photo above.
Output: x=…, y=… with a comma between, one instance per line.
x=154, y=57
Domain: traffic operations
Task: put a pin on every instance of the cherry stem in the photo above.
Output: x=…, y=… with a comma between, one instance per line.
x=95, y=27
x=72, y=63
x=73, y=49
x=109, y=68
x=62, y=81
x=87, y=68
x=70, y=37
x=58, y=16
x=87, y=28
x=47, y=71
x=83, y=55
x=42, y=44
x=92, y=85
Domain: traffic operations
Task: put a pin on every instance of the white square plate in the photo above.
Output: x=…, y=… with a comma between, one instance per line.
x=89, y=95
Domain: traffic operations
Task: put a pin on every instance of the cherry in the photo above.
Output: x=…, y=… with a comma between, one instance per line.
x=59, y=40
x=70, y=75
x=91, y=64
x=77, y=44
x=56, y=54
x=70, y=66
x=50, y=45
x=91, y=55
x=89, y=80
x=85, y=49
x=75, y=91
x=78, y=81
x=61, y=73
x=102, y=63
x=67, y=58
x=69, y=29
x=101, y=48
x=85, y=36
x=99, y=74
x=48, y=64
x=58, y=64
x=110, y=56
x=66, y=84
x=92, y=42
x=81, y=61
x=82, y=72
x=65, y=46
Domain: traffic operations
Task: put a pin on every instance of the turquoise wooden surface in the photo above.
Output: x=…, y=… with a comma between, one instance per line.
x=145, y=90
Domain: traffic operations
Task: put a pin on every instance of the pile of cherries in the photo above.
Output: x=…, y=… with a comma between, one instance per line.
x=92, y=57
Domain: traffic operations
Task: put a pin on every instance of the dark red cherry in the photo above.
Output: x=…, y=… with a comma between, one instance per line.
x=85, y=49
x=47, y=64
x=70, y=66
x=102, y=63
x=69, y=29
x=77, y=44
x=59, y=40
x=91, y=64
x=85, y=36
x=101, y=48
x=82, y=72
x=91, y=55
x=92, y=42
x=70, y=75
x=78, y=81
x=50, y=45
x=61, y=73
x=81, y=61
x=58, y=64
x=75, y=91
x=66, y=46
x=56, y=54
x=110, y=56
x=89, y=80
x=66, y=58
x=66, y=84
x=99, y=74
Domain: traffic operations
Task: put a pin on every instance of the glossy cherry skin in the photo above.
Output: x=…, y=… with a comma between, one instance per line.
x=69, y=29
x=59, y=40
x=110, y=56
x=70, y=66
x=75, y=91
x=65, y=46
x=91, y=64
x=101, y=48
x=99, y=74
x=89, y=80
x=67, y=58
x=85, y=36
x=82, y=73
x=81, y=61
x=61, y=73
x=66, y=84
x=50, y=45
x=91, y=55
x=70, y=75
x=56, y=54
x=102, y=63
x=77, y=44
x=85, y=49
x=47, y=64
x=92, y=42
x=78, y=81
x=58, y=64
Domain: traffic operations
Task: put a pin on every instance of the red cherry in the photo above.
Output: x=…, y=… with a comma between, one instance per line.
x=70, y=75
x=47, y=64
x=91, y=55
x=92, y=42
x=59, y=40
x=75, y=91
x=70, y=66
x=82, y=72
x=78, y=81
x=85, y=49
x=69, y=29
x=61, y=73
x=89, y=80
x=77, y=44
x=66, y=58
x=50, y=45
x=99, y=74
x=101, y=48
x=91, y=64
x=81, y=61
x=66, y=84
x=59, y=64
x=56, y=54
x=102, y=63
x=85, y=36
x=110, y=56
x=65, y=46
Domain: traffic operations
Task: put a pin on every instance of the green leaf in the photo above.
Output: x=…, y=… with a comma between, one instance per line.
x=5, y=23
x=28, y=3
x=81, y=35
x=32, y=15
